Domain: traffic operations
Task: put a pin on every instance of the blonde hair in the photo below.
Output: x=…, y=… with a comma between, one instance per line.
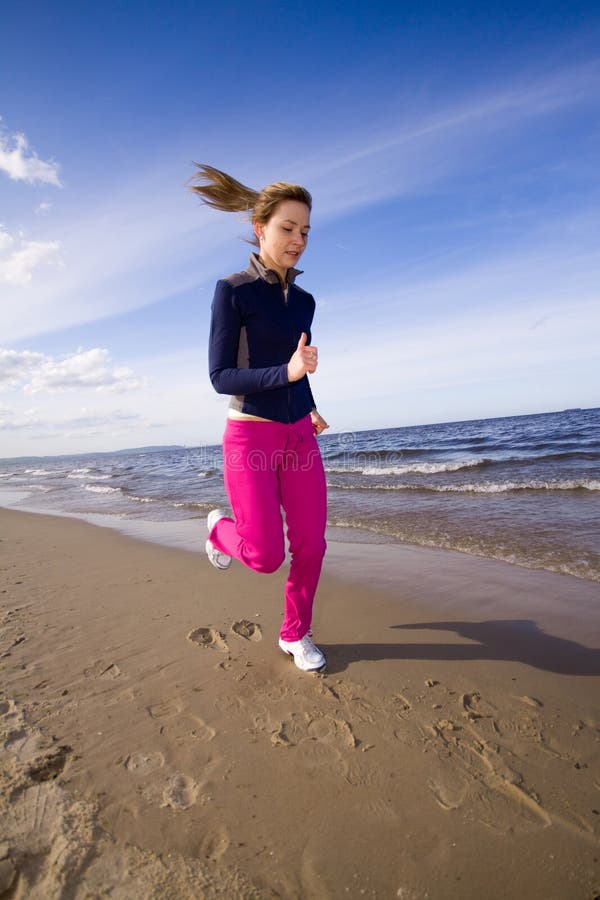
x=221, y=191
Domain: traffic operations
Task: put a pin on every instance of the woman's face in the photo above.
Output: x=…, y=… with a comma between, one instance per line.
x=283, y=238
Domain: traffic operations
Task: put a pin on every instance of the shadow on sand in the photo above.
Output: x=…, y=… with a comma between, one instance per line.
x=511, y=640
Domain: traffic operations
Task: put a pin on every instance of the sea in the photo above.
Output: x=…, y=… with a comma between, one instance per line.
x=522, y=489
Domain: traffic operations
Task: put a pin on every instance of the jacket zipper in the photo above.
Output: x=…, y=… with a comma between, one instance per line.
x=289, y=390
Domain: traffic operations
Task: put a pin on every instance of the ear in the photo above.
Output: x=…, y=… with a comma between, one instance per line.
x=257, y=229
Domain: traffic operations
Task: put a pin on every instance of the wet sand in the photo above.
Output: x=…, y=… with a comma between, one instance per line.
x=157, y=744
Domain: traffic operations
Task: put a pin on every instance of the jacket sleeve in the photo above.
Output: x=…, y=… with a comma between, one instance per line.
x=225, y=328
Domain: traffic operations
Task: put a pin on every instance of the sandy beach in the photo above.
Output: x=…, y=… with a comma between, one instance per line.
x=157, y=744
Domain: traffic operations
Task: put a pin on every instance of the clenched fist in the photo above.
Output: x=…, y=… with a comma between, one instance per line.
x=304, y=359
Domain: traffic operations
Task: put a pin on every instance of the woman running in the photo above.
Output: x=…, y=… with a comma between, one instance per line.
x=260, y=352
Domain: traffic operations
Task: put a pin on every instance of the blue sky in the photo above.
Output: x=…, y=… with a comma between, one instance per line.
x=452, y=153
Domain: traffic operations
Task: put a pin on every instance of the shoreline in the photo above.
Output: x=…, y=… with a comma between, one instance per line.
x=563, y=602
x=150, y=718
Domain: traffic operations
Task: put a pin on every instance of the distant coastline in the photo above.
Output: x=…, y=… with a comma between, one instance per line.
x=151, y=448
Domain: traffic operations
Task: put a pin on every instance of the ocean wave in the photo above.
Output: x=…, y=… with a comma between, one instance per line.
x=482, y=487
x=567, y=484
x=102, y=489
x=426, y=468
x=492, y=487
x=38, y=472
x=423, y=468
x=562, y=454
x=142, y=499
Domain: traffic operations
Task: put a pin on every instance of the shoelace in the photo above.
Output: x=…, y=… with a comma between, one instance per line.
x=307, y=643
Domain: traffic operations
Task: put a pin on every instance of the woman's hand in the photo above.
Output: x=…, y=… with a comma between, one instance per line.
x=319, y=423
x=305, y=359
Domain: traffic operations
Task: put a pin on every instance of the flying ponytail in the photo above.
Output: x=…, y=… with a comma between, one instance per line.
x=221, y=191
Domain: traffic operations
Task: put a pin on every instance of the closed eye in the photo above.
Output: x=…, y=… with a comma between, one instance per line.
x=304, y=235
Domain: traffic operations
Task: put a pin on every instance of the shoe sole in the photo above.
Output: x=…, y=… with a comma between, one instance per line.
x=208, y=547
x=316, y=669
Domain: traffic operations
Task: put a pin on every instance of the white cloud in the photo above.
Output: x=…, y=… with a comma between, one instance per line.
x=19, y=258
x=22, y=164
x=82, y=424
x=6, y=240
x=44, y=207
x=84, y=369
x=16, y=366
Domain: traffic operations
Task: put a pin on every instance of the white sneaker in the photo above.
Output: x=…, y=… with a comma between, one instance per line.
x=306, y=656
x=218, y=559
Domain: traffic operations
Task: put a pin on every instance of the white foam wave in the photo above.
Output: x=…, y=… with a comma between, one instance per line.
x=101, y=489
x=142, y=499
x=481, y=487
x=38, y=472
x=424, y=468
x=490, y=487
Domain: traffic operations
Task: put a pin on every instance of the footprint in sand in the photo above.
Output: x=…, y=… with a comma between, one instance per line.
x=332, y=731
x=280, y=737
x=111, y=671
x=250, y=631
x=144, y=763
x=215, y=844
x=188, y=728
x=180, y=792
x=317, y=744
x=49, y=767
x=126, y=696
x=479, y=773
x=101, y=669
x=314, y=757
x=449, y=793
x=208, y=637
x=7, y=706
x=474, y=707
x=165, y=710
x=354, y=697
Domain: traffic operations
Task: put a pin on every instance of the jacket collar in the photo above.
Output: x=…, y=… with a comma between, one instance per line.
x=256, y=267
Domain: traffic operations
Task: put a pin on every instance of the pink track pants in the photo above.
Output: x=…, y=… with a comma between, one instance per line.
x=266, y=466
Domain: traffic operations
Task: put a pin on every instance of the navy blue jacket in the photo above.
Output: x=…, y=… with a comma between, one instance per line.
x=254, y=331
